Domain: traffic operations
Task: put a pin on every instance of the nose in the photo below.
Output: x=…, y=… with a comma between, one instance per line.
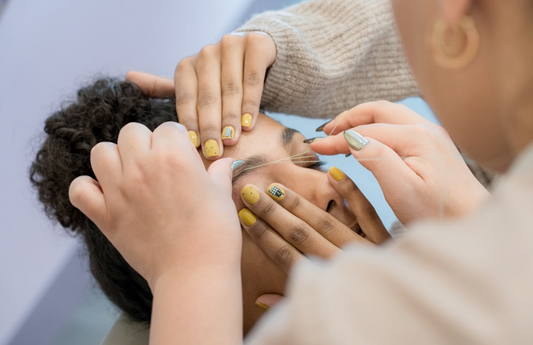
x=314, y=186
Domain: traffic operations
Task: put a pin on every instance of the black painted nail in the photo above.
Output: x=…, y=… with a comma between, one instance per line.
x=321, y=127
x=312, y=140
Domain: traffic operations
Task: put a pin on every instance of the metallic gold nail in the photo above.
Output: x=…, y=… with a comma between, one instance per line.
x=247, y=217
x=262, y=305
x=250, y=194
x=194, y=138
x=321, y=127
x=355, y=140
x=312, y=140
x=228, y=132
x=246, y=120
x=336, y=174
x=276, y=192
x=211, y=148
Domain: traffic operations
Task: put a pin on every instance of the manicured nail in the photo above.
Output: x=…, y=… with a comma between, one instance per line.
x=228, y=132
x=246, y=120
x=262, y=305
x=211, y=148
x=250, y=194
x=247, y=217
x=321, y=127
x=336, y=174
x=355, y=140
x=312, y=140
x=236, y=165
x=276, y=192
x=194, y=138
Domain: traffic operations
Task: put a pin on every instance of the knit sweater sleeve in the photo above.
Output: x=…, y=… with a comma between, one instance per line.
x=333, y=55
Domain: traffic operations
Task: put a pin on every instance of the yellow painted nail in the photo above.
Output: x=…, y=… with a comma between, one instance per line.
x=246, y=120
x=194, y=138
x=262, y=305
x=250, y=194
x=276, y=192
x=211, y=148
x=247, y=217
x=228, y=132
x=336, y=174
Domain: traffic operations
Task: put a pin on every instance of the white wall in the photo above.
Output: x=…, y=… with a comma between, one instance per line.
x=47, y=48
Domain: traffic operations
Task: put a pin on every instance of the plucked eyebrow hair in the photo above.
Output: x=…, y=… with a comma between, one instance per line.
x=285, y=138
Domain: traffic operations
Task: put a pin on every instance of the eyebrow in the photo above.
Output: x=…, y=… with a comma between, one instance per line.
x=256, y=160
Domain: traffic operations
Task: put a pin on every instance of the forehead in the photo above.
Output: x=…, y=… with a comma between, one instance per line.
x=265, y=139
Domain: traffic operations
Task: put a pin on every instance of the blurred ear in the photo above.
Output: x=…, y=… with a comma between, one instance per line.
x=454, y=10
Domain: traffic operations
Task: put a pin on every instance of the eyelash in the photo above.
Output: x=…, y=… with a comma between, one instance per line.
x=316, y=165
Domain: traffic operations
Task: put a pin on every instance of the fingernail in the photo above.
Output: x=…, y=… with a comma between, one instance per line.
x=235, y=165
x=247, y=217
x=194, y=138
x=250, y=194
x=246, y=120
x=262, y=305
x=321, y=127
x=211, y=148
x=355, y=140
x=312, y=140
x=336, y=174
x=228, y=132
x=276, y=192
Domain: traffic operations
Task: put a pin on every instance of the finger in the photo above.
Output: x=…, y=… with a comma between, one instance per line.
x=151, y=84
x=134, y=142
x=209, y=103
x=322, y=222
x=106, y=164
x=256, y=62
x=294, y=230
x=221, y=174
x=86, y=195
x=406, y=140
x=231, y=84
x=172, y=138
x=186, y=83
x=283, y=254
x=267, y=301
x=367, y=217
x=373, y=112
x=389, y=169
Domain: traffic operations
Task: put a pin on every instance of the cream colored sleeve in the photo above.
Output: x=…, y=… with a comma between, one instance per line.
x=333, y=55
x=464, y=282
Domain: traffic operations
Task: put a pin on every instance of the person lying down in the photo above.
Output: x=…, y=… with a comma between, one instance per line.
x=98, y=113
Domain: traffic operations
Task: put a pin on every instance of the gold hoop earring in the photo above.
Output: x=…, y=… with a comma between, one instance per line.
x=463, y=47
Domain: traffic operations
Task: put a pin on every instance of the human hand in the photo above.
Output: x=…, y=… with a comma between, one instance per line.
x=419, y=169
x=218, y=91
x=287, y=226
x=156, y=203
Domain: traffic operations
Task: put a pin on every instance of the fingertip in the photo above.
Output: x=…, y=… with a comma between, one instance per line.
x=212, y=149
x=248, y=121
x=86, y=194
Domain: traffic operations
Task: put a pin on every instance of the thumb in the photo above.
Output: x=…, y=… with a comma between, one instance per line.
x=267, y=301
x=152, y=85
x=221, y=174
x=86, y=195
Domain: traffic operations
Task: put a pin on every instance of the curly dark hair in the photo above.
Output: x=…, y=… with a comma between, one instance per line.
x=98, y=113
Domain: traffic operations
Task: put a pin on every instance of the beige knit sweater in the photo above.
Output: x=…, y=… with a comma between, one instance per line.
x=333, y=55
